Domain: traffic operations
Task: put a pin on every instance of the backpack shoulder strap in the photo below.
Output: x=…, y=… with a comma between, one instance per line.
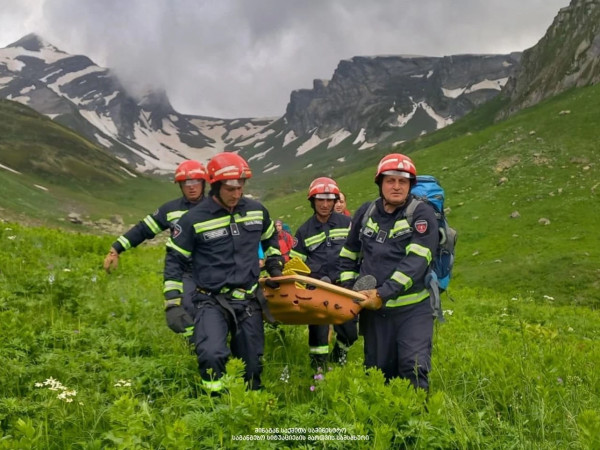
x=410, y=209
x=367, y=214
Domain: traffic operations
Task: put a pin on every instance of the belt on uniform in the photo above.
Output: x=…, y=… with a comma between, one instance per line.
x=240, y=294
x=234, y=293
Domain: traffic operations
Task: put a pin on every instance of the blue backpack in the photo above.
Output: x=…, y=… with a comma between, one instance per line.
x=429, y=190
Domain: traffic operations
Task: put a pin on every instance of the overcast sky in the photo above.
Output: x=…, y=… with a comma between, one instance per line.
x=243, y=58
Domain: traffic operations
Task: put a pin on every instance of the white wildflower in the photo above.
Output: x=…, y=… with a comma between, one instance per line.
x=285, y=375
x=12, y=238
x=122, y=383
x=547, y=297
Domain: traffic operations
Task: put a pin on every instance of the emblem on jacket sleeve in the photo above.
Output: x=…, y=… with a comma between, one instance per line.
x=176, y=230
x=421, y=226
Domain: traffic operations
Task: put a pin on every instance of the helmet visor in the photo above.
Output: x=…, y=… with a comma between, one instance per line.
x=326, y=196
x=191, y=182
x=235, y=183
x=398, y=173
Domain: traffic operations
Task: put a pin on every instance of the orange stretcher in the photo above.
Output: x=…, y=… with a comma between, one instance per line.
x=303, y=300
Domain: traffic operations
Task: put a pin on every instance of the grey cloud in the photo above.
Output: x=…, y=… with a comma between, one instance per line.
x=242, y=58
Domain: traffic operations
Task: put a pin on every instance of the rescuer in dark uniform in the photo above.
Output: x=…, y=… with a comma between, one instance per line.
x=221, y=236
x=318, y=243
x=191, y=176
x=397, y=319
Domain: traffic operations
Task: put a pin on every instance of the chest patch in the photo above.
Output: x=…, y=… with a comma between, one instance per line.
x=421, y=226
x=214, y=234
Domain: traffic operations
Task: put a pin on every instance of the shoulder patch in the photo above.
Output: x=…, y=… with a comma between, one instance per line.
x=176, y=230
x=421, y=226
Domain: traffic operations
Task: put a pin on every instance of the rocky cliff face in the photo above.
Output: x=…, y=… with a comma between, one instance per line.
x=567, y=56
x=386, y=93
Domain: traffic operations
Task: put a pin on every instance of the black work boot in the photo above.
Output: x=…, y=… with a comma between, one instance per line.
x=339, y=355
x=318, y=362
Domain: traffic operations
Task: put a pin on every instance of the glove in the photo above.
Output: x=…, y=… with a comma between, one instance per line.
x=111, y=261
x=274, y=266
x=178, y=320
x=373, y=300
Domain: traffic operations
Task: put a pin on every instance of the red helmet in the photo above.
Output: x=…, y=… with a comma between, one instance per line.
x=190, y=170
x=228, y=166
x=323, y=187
x=396, y=164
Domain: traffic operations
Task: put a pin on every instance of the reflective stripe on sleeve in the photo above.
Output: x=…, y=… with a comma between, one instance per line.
x=410, y=299
x=345, y=253
x=267, y=234
x=419, y=250
x=175, y=247
x=272, y=251
x=124, y=242
x=402, y=279
x=295, y=254
x=151, y=223
x=172, y=285
x=348, y=276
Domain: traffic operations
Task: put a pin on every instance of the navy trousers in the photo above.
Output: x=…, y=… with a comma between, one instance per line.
x=213, y=324
x=399, y=340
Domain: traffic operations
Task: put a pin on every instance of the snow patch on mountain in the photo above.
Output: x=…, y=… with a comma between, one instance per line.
x=484, y=84
x=14, y=65
x=289, y=137
x=110, y=97
x=132, y=175
x=440, y=121
x=103, y=123
x=272, y=168
x=103, y=141
x=255, y=137
x=309, y=144
x=260, y=155
x=338, y=137
x=68, y=77
x=2, y=166
x=360, y=138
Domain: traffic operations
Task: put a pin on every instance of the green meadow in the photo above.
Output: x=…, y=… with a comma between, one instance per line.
x=87, y=361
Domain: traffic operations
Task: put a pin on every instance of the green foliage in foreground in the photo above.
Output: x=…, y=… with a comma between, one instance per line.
x=86, y=361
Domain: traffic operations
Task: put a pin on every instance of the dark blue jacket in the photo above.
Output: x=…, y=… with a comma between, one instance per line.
x=319, y=244
x=222, y=247
x=396, y=252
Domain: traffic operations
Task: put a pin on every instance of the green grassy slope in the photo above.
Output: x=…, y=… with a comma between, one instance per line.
x=517, y=374
x=61, y=172
x=550, y=162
